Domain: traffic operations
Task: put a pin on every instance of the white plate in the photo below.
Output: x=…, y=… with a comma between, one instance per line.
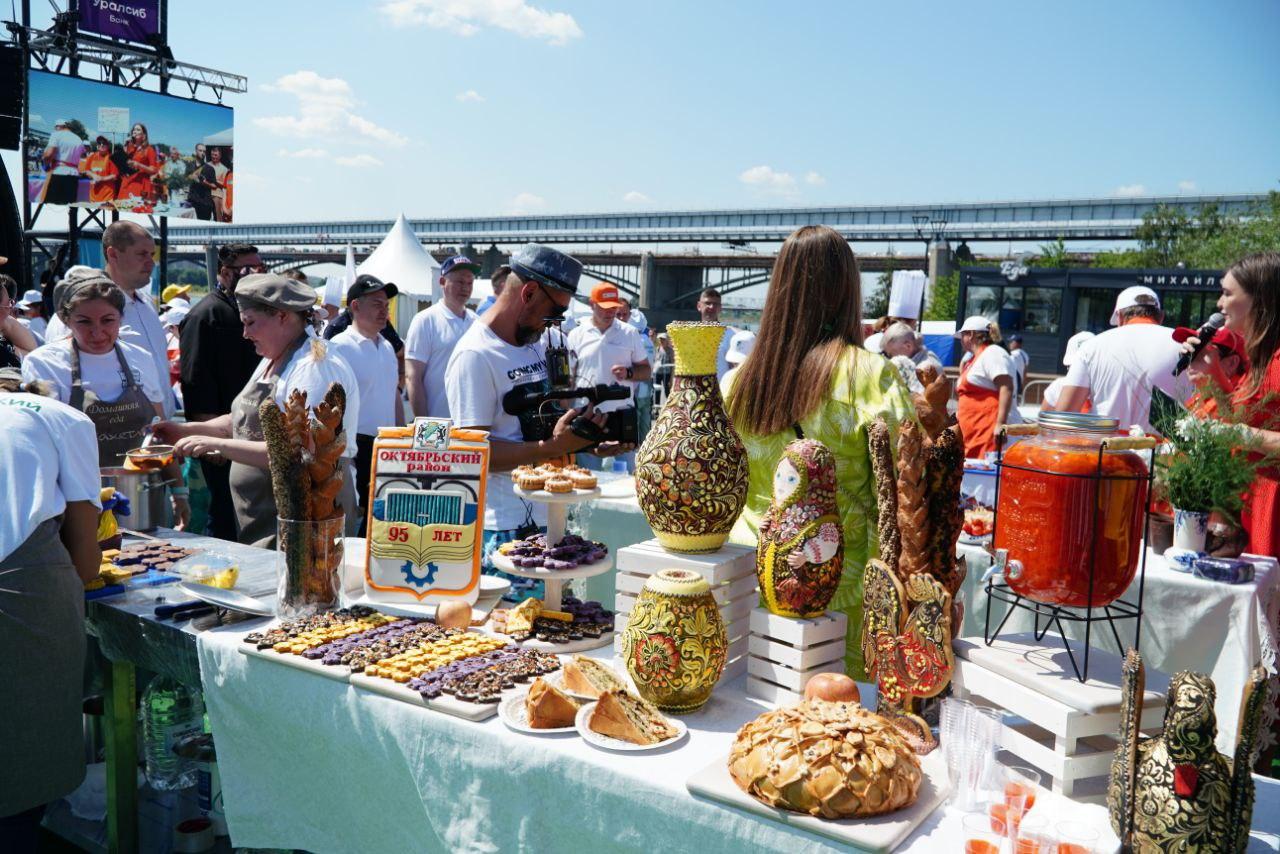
x=515, y=716
x=232, y=600
x=604, y=742
x=492, y=585
x=541, y=496
x=556, y=680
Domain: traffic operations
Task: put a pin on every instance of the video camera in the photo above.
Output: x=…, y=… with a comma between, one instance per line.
x=621, y=425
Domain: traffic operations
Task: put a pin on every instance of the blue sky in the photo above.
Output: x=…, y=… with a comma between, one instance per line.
x=462, y=107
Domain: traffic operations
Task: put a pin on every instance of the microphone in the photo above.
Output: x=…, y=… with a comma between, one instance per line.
x=1205, y=334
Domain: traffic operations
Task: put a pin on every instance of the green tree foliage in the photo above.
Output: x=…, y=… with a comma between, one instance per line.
x=1052, y=255
x=875, y=302
x=944, y=300
x=1208, y=241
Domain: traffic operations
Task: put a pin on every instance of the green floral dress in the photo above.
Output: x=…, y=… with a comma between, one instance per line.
x=864, y=387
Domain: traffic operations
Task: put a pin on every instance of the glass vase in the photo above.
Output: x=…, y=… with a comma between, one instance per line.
x=308, y=565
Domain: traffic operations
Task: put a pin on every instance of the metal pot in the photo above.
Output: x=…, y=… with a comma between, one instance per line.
x=145, y=491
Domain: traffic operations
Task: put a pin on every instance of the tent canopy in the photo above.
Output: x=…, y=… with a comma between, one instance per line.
x=220, y=138
x=400, y=258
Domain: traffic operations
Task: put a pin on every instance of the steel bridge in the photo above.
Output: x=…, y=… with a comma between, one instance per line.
x=1042, y=219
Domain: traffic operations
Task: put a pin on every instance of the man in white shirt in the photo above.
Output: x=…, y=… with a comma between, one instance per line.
x=607, y=351
x=62, y=156
x=1021, y=360
x=1118, y=369
x=373, y=362
x=502, y=353
x=709, y=312
x=434, y=333
x=130, y=257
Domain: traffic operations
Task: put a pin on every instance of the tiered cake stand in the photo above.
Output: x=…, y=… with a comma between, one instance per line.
x=554, y=579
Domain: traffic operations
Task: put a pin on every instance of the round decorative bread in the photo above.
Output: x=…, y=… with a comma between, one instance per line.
x=831, y=760
x=531, y=480
x=559, y=484
x=583, y=480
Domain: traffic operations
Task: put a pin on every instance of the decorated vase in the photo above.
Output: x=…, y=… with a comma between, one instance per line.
x=675, y=644
x=801, y=544
x=691, y=471
x=1190, y=529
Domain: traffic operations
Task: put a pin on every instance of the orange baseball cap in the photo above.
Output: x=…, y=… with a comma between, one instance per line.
x=605, y=295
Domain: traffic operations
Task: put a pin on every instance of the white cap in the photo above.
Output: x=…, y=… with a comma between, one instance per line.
x=30, y=298
x=1074, y=343
x=1129, y=298
x=175, y=315
x=974, y=323
x=739, y=346
x=178, y=303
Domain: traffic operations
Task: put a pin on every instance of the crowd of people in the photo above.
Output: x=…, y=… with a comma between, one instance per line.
x=136, y=170
x=110, y=366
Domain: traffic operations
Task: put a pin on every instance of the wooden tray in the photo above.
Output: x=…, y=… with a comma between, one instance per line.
x=340, y=672
x=880, y=835
x=444, y=703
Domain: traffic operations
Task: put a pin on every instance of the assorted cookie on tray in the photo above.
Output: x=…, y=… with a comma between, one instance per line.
x=140, y=557
x=570, y=552
x=554, y=479
x=530, y=621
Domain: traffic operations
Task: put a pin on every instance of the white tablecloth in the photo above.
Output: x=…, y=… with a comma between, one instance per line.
x=309, y=762
x=1188, y=623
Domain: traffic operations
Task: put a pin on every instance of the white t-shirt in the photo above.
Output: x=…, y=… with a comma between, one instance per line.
x=595, y=353
x=56, y=330
x=314, y=376
x=483, y=369
x=68, y=150
x=1053, y=391
x=872, y=344
x=99, y=374
x=1021, y=360
x=37, y=325
x=1122, y=365
x=992, y=363
x=373, y=363
x=49, y=457
x=432, y=336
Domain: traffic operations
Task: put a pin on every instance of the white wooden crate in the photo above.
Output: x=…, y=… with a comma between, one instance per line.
x=783, y=653
x=626, y=582
x=801, y=633
x=729, y=563
x=1064, y=727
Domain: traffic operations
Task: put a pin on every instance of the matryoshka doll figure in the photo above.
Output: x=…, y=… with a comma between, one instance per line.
x=801, y=548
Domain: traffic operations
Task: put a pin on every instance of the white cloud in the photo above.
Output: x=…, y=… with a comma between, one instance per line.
x=468, y=17
x=766, y=179
x=636, y=197
x=813, y=179
x=471, y=96
x=1187, y=186
x=325, y=107
x=526, y=203
x=303, y=153
x=359, y=161
x=1128, y=191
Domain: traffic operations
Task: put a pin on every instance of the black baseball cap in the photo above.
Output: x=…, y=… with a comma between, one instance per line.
x=366, y=284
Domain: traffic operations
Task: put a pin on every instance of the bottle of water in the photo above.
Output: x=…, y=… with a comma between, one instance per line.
x=170, y=711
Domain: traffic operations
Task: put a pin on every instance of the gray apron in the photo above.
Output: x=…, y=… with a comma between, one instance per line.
x=41, y=672
x=251, y=492
x=119, y=425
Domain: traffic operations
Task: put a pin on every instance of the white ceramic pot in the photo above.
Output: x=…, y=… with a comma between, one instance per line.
x=1190, y=527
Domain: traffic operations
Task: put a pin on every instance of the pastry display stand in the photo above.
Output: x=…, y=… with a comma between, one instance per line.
x=783, y=653
x=731, y=572
x=1062, y=726
x=553, y=580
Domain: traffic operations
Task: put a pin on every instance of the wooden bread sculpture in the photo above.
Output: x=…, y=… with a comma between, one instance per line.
x=931, y=407
x=304, y=450
x=909, y=599
x=1176, y=792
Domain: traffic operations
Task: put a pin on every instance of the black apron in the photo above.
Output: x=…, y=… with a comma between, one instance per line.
x=120, y=424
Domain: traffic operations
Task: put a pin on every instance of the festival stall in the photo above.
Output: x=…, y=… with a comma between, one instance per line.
x=400, y=258
x=372, y=695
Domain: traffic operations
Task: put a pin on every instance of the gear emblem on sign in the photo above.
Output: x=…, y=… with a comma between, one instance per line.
x=409, y=575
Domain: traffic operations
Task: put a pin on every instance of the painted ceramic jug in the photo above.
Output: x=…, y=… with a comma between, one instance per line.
x=691, y=471
x=675, y=644
x=801, y=549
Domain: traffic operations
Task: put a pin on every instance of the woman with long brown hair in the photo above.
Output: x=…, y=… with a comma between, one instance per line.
x=808, y=375
x=1251, y=302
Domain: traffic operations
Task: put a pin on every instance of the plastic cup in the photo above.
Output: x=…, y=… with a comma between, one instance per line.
x=982, y=834
x=1020, y=781
x=1034, y=836
x=1075, y=837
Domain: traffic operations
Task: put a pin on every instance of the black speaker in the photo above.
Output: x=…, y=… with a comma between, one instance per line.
x=11, y=88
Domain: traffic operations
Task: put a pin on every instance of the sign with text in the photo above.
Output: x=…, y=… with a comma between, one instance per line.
x=113, y=120
x=131, y=20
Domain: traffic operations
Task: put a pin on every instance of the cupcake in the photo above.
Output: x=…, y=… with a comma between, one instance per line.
x=559, y=484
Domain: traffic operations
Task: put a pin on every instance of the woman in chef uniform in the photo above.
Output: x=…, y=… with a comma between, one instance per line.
x=984, y=395
x=111, y=381
x=48, y=551
x=276, y=314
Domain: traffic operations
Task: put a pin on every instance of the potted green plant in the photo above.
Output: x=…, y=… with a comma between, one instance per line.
x=1205, y=469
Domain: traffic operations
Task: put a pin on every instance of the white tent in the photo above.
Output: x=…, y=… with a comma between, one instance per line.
x=400, y=258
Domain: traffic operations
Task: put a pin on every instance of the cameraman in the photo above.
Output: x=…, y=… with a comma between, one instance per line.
x=607, y=351
x=216, y=363
x=502, y=351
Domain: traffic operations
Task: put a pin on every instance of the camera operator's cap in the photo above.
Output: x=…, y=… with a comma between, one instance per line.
x=974, y=323
x=30, y=298
x=548, y=266
x=366, y=284
x=1129, y=297
x=740, y=345
x=172, y=291
x=1074, y=343
x=275, y=291
x=459, y=262
x=605, y=295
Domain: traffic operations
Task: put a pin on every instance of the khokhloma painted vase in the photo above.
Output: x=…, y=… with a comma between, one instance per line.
x=675, y=644
x=691, y=471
